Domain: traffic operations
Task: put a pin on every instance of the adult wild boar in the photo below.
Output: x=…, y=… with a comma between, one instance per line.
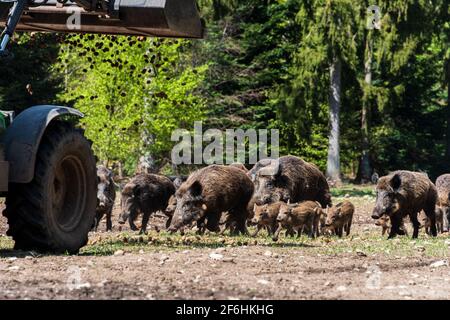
x=146, y=194
x=297, y=217
x=290, y=179
x=106, y=195
x=340, y=217
x=211, y=191
x=405, y=193
x=443, y=189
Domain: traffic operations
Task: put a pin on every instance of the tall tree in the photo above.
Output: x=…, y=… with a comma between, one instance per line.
x=327, y=41
x=334, y=160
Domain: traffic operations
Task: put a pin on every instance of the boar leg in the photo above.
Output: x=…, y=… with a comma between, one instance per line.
x=277, y=233
x=416, y=225
x=240, y=219
x=145, y=219
x=201, y=225
x=339, y=231
x=290, y=232
x=132, y=225
x=395, y=226
x=109, y=220
x=311, y=231
x=96, y=223
x=347, y=227
x=446, y=219
x=431, y=214
x=258, y=229
x=168, y=222
x=272, y=228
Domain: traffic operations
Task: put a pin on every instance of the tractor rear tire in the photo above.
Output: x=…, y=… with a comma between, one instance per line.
x=56, y=210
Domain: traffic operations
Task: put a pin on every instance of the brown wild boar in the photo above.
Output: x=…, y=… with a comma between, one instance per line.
x=299, y=216
x=385, y=223
x=340, y=217
x=106, y=196
x=209, y=192
x=290, y=179
x=265, y=216
x=170, y=210
x=425, y=222
x=405, y=193
x=146, y=194
x=443, y=189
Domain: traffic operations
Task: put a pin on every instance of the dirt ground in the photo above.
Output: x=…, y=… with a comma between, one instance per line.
x=122, y=265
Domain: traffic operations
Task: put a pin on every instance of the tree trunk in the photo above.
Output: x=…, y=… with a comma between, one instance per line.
x=447, y=78
x=333, y=163
x=365, y=168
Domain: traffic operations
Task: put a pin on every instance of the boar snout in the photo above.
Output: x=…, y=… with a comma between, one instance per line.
x=123, y=218
x=376, y=216
x=172, y=229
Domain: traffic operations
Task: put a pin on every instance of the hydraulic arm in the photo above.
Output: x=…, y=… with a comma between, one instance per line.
x=164, y=18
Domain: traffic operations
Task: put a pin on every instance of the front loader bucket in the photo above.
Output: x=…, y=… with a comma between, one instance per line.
x=162, y=18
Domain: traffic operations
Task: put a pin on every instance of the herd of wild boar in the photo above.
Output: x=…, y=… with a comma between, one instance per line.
x=287, y=194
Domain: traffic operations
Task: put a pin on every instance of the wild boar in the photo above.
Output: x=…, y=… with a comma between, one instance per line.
x=340, y=217
x=106, y=196
x=170, y=210
x=299, y=216
x=405, y=193
x=443, y=189
x=385, y=223
x=290, y=179
x=209, y=192
x=146, y=194
x=265, y=216
x=425, y=221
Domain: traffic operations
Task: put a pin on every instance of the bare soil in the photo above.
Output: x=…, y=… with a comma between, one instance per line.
x=122, y=265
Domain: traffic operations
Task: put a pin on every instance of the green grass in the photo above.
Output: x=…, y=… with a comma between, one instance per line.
x=353, y=191
x=366, y=243
x=6, y=243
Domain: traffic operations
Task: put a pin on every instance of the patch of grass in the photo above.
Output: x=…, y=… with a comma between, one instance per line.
x=6, y=243
x=354, y=191
x=365, y=244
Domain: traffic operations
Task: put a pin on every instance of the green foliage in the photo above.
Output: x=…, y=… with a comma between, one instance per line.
x=26, y=78
x=263, y=64
x=133, y=91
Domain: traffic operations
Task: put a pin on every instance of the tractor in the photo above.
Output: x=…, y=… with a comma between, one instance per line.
x=47, y=167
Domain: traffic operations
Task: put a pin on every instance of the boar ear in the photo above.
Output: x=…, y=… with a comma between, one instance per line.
x=396, y=182
x=196, y=189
